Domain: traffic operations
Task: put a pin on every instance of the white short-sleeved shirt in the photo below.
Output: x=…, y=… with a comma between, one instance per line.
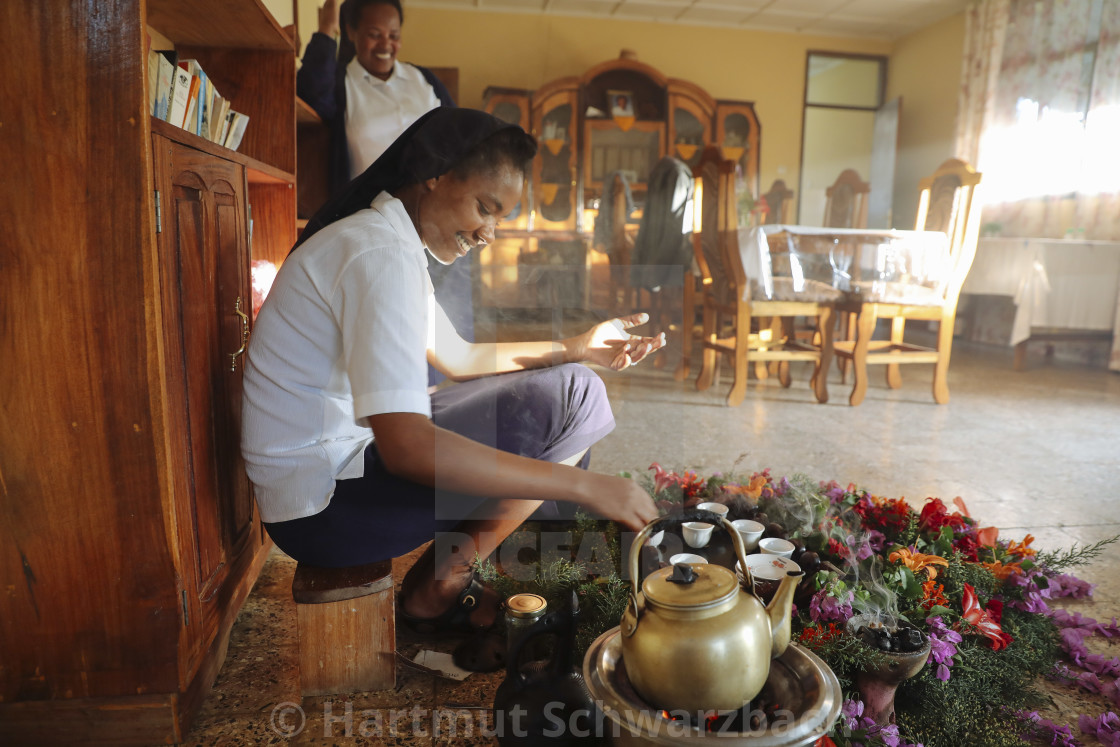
x=378, y=111
x=343, y=335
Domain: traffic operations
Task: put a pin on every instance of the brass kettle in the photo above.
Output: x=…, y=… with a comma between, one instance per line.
x=693, y=638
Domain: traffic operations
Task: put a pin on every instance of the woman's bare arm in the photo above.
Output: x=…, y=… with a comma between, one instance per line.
x=608, y=344
x=413, y=448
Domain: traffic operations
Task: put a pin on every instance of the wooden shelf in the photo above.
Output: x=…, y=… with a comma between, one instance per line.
x=259, y=171
x=305, y=115
x=218, y=23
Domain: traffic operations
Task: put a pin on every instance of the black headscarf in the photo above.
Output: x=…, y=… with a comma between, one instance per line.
x=430, y=147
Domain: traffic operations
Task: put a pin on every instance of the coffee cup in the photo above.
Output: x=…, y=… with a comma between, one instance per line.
x=687, y=557
x=767, y=571
x=697, y=533
x=776, y=546
x=750, y=531
x=716, y=508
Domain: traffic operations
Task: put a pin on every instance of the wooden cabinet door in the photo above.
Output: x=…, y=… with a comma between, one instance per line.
x=204, y=279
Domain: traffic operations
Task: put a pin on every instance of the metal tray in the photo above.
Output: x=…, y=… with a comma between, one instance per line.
x=804, y=687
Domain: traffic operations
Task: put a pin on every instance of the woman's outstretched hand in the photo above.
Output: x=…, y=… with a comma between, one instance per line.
x=610, y=344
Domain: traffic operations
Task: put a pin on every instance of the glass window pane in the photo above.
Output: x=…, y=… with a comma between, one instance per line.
x=843, y=81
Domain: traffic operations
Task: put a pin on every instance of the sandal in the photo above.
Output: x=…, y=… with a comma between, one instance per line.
x=456, y=619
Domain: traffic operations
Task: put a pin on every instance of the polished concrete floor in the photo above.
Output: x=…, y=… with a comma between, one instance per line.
x=1036, y=451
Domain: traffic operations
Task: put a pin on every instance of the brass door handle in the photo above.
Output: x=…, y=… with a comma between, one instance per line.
x=244, y=335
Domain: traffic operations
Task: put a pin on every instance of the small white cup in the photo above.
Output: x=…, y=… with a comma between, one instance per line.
x=776, y=546
x=750, y=531
x=717, y=508
x=687, y=557
x=697, y=533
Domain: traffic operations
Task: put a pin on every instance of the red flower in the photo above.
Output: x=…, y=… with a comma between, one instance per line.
x=935, y=515
x=824, y=741
x=983, y=619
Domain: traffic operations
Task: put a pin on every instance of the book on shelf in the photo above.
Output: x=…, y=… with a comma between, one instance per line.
x=153, y=79
x=165, y=79
x=209, y=111
x=237, y=124
x=180, y=97
x=219, y=118
x=190, y=121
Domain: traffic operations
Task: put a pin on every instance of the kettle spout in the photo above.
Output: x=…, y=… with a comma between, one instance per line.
x=780, y=613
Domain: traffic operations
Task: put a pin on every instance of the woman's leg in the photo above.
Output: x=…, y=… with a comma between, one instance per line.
x=554, y=414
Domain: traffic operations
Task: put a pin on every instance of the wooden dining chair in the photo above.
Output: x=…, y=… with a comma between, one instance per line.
x=845, y=206
x=728, y=309
x=778, y=202
x=845, y=203
x=947, y=203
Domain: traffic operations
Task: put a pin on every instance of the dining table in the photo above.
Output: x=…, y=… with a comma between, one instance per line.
x=851, y=268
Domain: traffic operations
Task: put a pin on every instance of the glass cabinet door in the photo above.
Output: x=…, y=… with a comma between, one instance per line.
x=512, y=106
x=690, y=129
x=737, y=136
x=554, y=170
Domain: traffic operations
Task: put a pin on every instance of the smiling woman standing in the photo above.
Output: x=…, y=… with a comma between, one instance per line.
x=352, y=460
x=365, y=94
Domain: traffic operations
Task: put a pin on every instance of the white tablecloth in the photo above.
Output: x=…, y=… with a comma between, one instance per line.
x=1055, y=283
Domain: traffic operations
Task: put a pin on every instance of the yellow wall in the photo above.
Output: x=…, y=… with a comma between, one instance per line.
x=925, y=70
x=518, y=50
x=528, y=50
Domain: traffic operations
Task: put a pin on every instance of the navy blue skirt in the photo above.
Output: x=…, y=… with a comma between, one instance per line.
x=550, y=414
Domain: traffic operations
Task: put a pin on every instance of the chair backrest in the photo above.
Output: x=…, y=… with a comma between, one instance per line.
x=845, y=203
x=720, y=272
x=947, y=202
x=778, y=200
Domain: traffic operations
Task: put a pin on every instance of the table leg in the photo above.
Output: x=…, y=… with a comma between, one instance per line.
x=820, y=376
x=865, y=327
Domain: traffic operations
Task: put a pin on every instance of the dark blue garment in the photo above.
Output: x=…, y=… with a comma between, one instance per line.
x=550, y=414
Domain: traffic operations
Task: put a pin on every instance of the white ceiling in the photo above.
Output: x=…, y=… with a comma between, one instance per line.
x=879, y=19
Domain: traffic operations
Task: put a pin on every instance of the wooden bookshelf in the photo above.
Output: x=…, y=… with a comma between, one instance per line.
x=129, y=535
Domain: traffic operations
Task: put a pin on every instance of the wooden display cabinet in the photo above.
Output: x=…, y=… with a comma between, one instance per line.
x=129, y=534
x=544, y=260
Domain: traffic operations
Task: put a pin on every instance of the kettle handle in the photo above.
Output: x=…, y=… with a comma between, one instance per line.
x=655, y=526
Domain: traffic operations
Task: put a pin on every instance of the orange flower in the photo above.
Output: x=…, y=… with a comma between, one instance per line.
x=1022, y=549
x=933, y=595
x=917, y=561
x=1003, y=570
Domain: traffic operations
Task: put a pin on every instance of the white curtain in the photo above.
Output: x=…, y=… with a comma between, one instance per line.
x=1039, y=115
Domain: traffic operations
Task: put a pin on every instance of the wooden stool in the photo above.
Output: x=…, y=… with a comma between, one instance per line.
x=347, y=633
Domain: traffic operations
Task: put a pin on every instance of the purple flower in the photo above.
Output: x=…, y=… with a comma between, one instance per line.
x=943, y=646
x=876, y=540
x=1065, y=585
x=1034, y=598
x=1046, y=730
x=1106, y=728
x=824, y=607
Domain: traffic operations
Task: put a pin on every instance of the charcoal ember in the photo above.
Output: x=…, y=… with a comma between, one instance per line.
x=912, y=639
x=898, y=640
